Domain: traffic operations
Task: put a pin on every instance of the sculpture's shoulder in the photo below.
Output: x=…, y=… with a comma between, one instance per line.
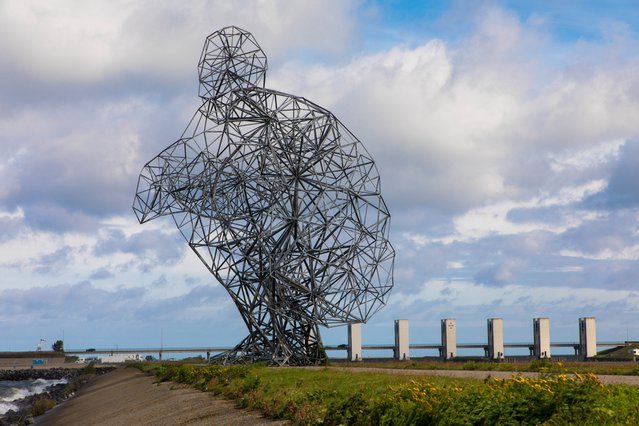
x=258, y=102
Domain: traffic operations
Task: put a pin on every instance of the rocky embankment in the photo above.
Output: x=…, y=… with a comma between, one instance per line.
x=45, y=373
x=54, y=395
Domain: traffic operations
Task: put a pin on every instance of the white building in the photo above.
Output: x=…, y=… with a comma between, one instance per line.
x=119, y=358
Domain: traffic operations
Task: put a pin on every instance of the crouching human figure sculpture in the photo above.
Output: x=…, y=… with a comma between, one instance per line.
x=279, y=200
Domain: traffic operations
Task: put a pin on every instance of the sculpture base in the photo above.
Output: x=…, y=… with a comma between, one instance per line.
x=249, y=352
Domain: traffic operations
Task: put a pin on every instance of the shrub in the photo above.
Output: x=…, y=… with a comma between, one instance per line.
x=89, y=369
x=540, y=365
x=352, y=410
x=471, y=365
x=250, y=383
x=331, y=397
x=517, y=400
x=41, y=406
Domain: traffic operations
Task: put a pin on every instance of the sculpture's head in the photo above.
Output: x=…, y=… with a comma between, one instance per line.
x=231, y=59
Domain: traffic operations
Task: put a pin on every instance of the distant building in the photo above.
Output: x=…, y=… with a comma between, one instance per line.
x=87, y=360
x=119, y=358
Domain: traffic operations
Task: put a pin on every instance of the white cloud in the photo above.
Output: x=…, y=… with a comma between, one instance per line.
x=588, y=158
x=18, y=213
x=76, y=41
x=487, y=119
x=625, y=253
x=493, y=219
x=460, y=294
x=454, y=265
x=132, y=252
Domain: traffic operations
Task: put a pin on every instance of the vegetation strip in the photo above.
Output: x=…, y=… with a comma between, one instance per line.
x=333, y=397
x=535, y=366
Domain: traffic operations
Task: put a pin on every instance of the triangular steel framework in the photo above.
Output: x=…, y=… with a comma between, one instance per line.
x=279, y=200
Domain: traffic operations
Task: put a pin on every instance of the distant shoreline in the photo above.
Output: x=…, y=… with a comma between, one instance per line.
x=32, y=354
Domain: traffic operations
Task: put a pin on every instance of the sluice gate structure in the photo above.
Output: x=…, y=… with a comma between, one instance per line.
x=495, y=349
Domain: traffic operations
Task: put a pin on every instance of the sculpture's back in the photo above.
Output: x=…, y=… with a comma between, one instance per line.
x=279, y=200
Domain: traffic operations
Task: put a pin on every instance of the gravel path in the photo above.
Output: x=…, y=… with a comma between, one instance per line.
x=129, y=397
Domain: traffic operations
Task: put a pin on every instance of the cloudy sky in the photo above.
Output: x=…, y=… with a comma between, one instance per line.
x=506, y=134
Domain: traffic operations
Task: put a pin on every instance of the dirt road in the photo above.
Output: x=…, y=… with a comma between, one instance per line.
x=129, y=397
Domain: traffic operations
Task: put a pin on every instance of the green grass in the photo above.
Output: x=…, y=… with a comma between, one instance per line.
x=332, y=397
x=619, y=352
x=543, y=366
x=301, y=395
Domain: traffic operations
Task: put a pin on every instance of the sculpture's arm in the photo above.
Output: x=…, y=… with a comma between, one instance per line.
x=151, y=198
x=165, y=182
x=157, y=181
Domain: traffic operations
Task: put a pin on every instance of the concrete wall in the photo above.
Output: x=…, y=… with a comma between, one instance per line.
x=402, y=351
x=541, y=337
x=355, y=342
x=587, y=337
x=495, y=338
x=28, y=362
x=449, y=338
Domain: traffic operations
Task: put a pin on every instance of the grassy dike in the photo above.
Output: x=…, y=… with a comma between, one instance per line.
x=623, y=368
x=333, y=397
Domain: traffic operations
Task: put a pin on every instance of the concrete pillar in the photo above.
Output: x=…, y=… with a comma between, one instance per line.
x=587, y=337
x=401, y=340
x=495, y=338
x=355, y=342
x=449, y=339
x=541, y=337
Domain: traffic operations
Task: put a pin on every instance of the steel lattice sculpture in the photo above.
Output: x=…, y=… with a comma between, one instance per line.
x=279, y=200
